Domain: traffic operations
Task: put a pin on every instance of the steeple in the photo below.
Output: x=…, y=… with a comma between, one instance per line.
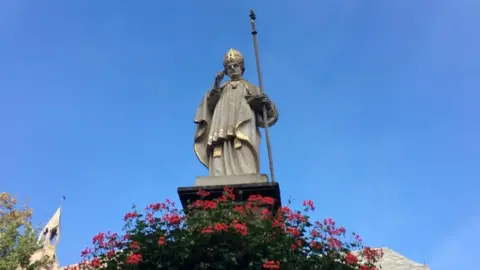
x=50, y=234
x=48, y=241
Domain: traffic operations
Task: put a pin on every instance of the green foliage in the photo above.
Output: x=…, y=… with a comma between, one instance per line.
x=18, y=239
x=219, y=234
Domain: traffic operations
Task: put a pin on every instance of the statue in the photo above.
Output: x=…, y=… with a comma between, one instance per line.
x=227, y=137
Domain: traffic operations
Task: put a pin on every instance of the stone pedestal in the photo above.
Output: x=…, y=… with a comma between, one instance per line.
x=243, y=187
x=203, y=181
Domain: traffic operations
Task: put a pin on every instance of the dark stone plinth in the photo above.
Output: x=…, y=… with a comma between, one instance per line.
x=242, y=192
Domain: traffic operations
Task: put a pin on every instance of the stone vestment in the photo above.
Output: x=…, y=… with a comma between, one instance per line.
x=227, y=137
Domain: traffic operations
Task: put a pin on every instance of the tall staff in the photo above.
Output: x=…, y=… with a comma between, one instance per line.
x=260, y=84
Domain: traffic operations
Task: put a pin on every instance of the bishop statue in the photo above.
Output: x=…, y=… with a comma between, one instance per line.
x=227, y=136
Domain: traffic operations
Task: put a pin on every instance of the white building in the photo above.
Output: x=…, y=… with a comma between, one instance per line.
x=393, y=260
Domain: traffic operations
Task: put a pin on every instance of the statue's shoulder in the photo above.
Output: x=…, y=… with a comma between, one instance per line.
x=249, y=85
x=224, y=84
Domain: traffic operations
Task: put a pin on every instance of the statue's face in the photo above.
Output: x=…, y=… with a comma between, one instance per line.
x=234, y=70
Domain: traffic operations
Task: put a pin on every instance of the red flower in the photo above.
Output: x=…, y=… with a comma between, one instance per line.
x=372, y=254
x=134, y=245
x=95, y=263
x=150, y=218
x=205, y=205
x=110, y=254
x=156, y=206
x=227, y=194
x=296, y=217
x=271, y=265
x=265, y=213
x=209, y=205
x=285, y=210
x=321, y=238
x=316, y=245
x=309, y=205
x=257, y=199
x=129, y=215
x=351, y=259
x=203, y=193
x=134, y=258
x=239, y=209
x=329, y=221
x=358, y=238
x=169, y=202
x=196, y=204
x=173, y=219
x=318, y=225
x=334, y=243
x=315, y=233
x=278, y=223
x=221, y=227
x=86, y=252
x=98, y=239
x=240, y=227
x=293, y=231
x=298, y=243
x=161, y=240
x=112, y=237
x=332, y=231
x=208, y=229
x=268, y=200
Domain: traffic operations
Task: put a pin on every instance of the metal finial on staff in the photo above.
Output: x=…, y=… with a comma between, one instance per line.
x=260, y=84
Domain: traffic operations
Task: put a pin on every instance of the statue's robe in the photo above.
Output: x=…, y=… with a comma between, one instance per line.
x=227, y=137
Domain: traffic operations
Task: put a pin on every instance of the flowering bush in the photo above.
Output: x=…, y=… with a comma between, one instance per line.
x=220, y=234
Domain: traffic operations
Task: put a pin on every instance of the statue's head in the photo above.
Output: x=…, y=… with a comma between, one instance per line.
x=234, y=64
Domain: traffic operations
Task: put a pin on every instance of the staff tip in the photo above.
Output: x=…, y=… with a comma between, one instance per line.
x=252, y=14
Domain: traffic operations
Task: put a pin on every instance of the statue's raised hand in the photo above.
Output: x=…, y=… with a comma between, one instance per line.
x=218, y=80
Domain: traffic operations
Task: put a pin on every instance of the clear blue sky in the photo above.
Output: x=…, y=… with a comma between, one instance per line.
x=379, y=111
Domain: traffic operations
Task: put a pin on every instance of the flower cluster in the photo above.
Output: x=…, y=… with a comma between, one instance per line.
x=252, y=235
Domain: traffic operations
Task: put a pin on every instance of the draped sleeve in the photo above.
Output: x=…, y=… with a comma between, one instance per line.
x=203, y=119
x=272, y=116
x=272, y=112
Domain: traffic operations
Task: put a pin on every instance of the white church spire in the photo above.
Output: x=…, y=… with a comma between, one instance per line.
x=48, y=241
x=50, y=235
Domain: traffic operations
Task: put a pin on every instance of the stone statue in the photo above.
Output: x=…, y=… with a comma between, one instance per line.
x=227, y=137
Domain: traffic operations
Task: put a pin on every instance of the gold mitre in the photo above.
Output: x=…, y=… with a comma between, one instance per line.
x=233, y=56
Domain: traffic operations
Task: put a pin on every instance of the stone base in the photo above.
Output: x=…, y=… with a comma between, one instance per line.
x=242, y=192
x=231, y=180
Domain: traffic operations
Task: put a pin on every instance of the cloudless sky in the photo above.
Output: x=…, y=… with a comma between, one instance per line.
x=378, y=100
